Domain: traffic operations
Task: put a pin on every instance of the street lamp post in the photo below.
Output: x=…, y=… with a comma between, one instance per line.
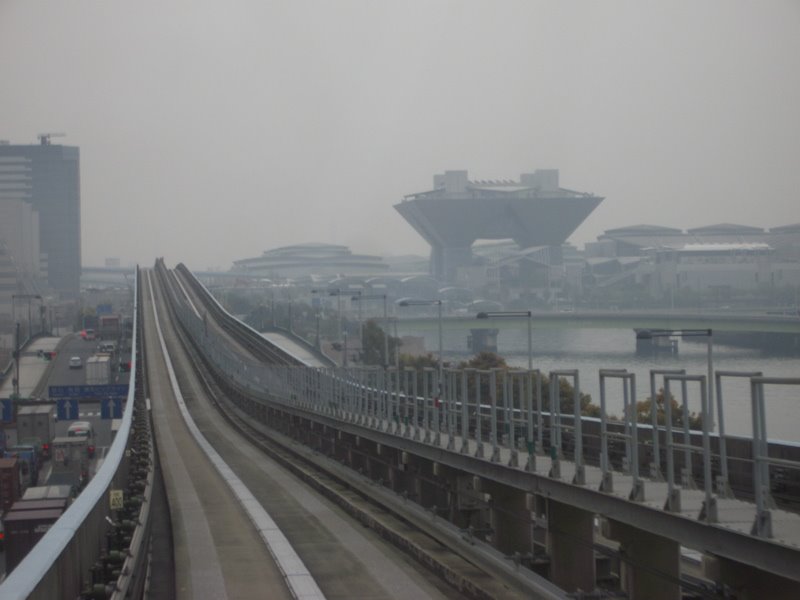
x=338, y=293
x=360, y=298
x=412, y=302
x=708, y=334
x=514, y=314
x=27, y=297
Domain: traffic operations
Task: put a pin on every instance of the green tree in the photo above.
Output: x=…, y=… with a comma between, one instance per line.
x=644, y=412
x=419, y=362
x=372, y=342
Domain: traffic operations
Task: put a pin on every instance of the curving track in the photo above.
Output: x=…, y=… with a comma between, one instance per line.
x=218, y=551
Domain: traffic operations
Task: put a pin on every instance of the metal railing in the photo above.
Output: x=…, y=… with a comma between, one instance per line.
x=499, y=414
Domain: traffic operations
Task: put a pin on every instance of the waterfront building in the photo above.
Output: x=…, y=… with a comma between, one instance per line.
x=722, y=258
x=534, y=212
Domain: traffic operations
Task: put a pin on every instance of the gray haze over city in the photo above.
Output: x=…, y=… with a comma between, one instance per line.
x=212, y=131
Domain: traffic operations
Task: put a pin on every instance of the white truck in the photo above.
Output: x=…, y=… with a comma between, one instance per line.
x=98, y=370
x=37, y=422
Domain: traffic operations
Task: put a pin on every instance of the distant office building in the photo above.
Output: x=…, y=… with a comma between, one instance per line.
x=8, y=285
x=533, y=212
x=19, y=227
x=47, y=176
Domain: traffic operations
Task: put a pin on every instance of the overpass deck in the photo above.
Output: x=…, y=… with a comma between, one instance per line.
x=292, y=347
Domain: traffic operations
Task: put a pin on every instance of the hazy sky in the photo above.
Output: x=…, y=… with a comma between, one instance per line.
x=211, y=131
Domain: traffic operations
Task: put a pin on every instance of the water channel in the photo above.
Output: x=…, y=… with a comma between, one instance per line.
x=590, y=350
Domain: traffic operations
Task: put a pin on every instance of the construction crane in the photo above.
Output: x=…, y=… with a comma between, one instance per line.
x=44, y=138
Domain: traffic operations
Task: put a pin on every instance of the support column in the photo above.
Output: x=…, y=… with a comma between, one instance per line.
x=570, y=538
x=510, y=519
x=650, y=565
x=748, y=583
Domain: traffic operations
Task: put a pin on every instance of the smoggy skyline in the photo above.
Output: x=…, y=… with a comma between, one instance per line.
x=213, y=131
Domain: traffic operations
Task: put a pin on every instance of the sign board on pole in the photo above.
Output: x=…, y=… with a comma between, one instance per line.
x=67, y=409
x=111, y=408
x=8, y=410
x=88, y=391
x=115, y=499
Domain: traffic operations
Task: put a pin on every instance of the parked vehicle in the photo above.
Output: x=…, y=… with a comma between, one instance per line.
x=37, y=422
x=23, y=529
x=10, y=489
x=28, y=457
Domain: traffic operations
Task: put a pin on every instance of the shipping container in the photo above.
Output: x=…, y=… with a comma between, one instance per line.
x=10, y=489
x=28, y=456
x=109, y=327
x=23, y=529
x=39, y=504
x=98, y=370
x=47, y=492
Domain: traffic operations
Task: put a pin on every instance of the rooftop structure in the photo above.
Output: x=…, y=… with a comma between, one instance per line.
x=636, y=239
x=457, y=212
x=301, y=260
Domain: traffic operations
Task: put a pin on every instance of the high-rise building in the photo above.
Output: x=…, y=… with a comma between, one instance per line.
x=48, y=177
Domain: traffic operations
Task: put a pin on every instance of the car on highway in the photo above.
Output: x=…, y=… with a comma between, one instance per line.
x=75, y=362
x=83, y=429
x=88, y=334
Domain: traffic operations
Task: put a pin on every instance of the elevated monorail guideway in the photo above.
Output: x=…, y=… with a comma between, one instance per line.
x=218, y=551
x=474, y=433
x=290, y=346
x=339, y=553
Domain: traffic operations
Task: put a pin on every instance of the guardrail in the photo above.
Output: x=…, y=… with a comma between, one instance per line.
x=504, y=419
x=245, y=332
x=61, y=564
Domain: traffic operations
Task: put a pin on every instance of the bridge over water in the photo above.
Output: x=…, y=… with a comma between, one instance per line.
x=716, y=320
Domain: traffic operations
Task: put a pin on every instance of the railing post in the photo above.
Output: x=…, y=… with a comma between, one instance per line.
x=580, y=472
x=709, y=511
x=411, y=374
x=673, y=503
x=687, y=478
x=464, y=411
x=495, y=457
x=555, y=427
x=607, y=480
x=540, y=414
x=723, y=482
x=450, y=406
x=637, y=492
x=478, y=424
x=426, y=376
x=763, y=522
x=436, y=405
x=530, y=444
x=508, y=392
